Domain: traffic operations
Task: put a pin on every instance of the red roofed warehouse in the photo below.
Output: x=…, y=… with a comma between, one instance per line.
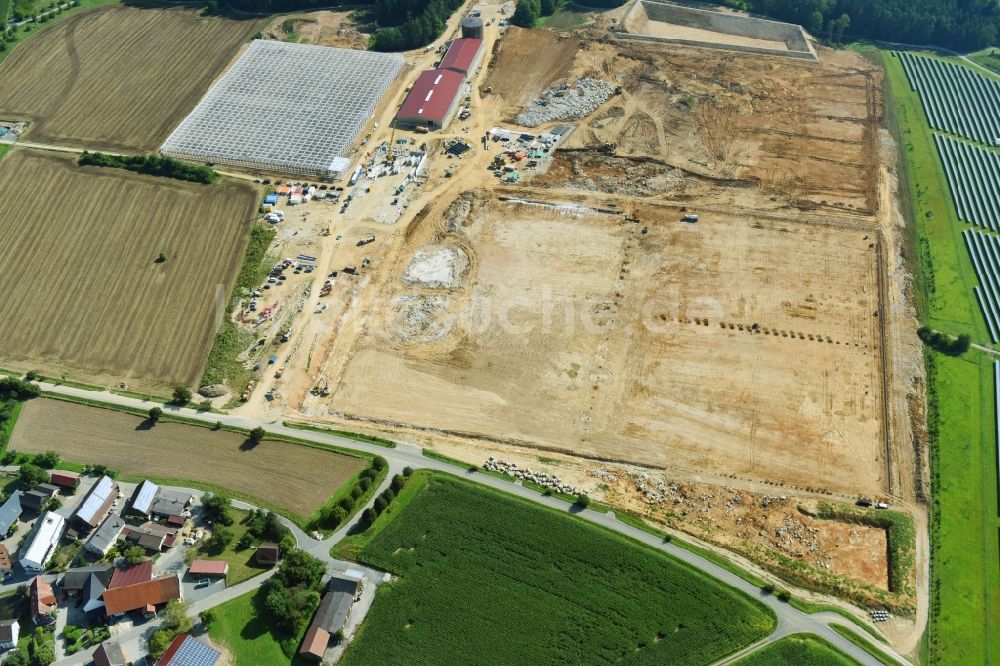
x=463, y=56
x=432, y=100
x=209, y=568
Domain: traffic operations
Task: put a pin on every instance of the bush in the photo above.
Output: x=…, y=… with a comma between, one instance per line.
x=944, y=343
x=397, y=483
x=31, y=376
x=218, y=508
x=582, y=500
x=364, y=483
x=407, y=471
x=30, y=475
x=369, y=516
x=221, y=538
x=207, y=616
x=380, y=505
x=256, y=436
x=48, y=460
x=388, y=495
x=11, y=387
x=134, y=554
x=182, y=395
x=356, y=492
x=155, y=413
x=378, y=463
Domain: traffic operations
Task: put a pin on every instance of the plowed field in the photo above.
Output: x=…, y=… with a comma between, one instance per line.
x=292, y=477
x=116, y=78
x=84, y=295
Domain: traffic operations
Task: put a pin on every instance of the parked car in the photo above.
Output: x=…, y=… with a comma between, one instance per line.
x=204, y=582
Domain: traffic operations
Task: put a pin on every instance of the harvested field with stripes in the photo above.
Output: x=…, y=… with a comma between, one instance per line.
x=298, y=479
x=79, y=82
x=90, y=301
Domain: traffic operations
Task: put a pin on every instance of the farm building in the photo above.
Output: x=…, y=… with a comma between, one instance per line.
x=432, y=101
x=287, y=108
x=42, y=543
x=75, y=580
x=34, y=500
x=209, y=568
x=96, y=504
x=106, y=535
x=10, y=512
x=10, y=630
x=267, y=554
x=332, y=614
x=463, y=56
x=151, y=536
x=141, y=502
x=171, y=505
x=145, y=596
x=65, y=479
x=189, y=651
x=110, y=653
x=43, y=601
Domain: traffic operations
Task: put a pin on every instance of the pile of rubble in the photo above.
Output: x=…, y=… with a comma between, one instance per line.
x=565, y=102
x=550, y=481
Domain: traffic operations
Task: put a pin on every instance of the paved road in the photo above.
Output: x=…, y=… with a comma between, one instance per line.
x=790, y=620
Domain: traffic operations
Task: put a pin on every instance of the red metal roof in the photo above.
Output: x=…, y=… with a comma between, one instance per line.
x=62, y=478
x=315, y=642
x=209, y=568
x=140, y=573
x=151, y=593
x=461, y=54
x=431, y=96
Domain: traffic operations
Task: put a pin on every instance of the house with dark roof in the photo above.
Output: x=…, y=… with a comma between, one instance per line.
x=43, y=601
x=10, y=630
x=267, y=554
x=331, y=615
x=75, y=580
x=106, y=535
x=189, y=651
x=172, y=506
x=96, y=504
x=151, y=536
x=10, y=512
x=35, y=499
x=110, y=653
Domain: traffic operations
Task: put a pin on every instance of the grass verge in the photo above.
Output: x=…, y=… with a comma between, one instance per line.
x=222, y=366
x=863, y=644
x=797, y=650
x=368, y=439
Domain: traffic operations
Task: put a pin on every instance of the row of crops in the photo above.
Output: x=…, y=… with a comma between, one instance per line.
x=956, y=99
x=974, y=180
x=485, y=578
x=985, y=252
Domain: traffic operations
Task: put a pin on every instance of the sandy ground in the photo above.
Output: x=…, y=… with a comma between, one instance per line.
x=671, y=31
x=324, y=28
x=743, y=354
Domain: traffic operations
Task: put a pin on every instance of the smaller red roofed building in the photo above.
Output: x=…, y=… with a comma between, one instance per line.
x=463, y=56
x=65, y=479
x=209, y=568
x=432, y=101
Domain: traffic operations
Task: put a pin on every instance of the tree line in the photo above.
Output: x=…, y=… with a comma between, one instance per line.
x=423, y=21
x=963, y=25
x=153, y=165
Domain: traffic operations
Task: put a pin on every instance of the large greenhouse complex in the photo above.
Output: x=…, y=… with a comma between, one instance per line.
x=286, y=108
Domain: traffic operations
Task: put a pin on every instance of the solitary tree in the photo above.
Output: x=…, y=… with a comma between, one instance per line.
x=182, y=395
x=155, y=413
x=134, y=554
x=256, y=436
x=582, y=500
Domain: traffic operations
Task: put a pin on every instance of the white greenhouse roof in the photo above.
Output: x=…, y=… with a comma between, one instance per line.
x=294, y=108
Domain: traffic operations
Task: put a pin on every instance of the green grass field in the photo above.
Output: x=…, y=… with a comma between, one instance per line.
x=965, y=609
x=488, y=578
x=797, y=650
x=245, y=632
x=241, y=562
x=988, y=58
